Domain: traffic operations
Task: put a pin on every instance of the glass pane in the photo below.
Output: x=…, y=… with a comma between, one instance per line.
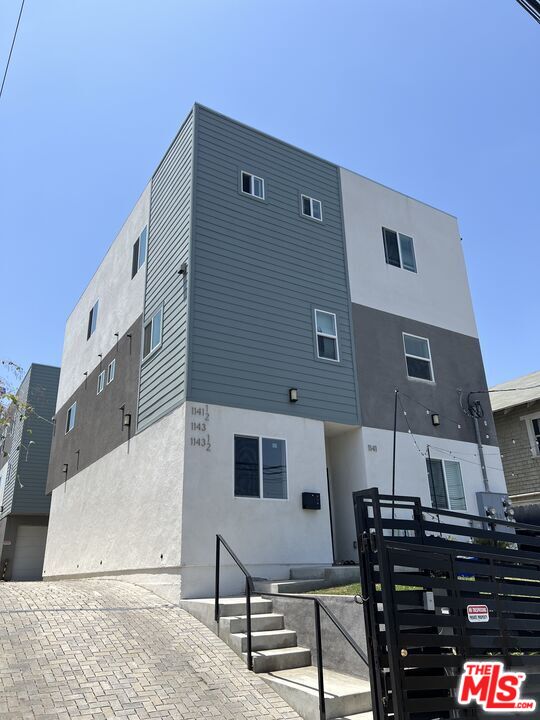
x=317, y=209
x=306, y=205
x=327, y=347
x=436, y=484
x=246, y=183
x=456, y=493
x=536, y=427
x=135, y=259
x=391, y=249
x=110, y=373
x=416, y=346
x=147, y=338
x=246, y=466
x=326, y=323
x=156, y=330
x=274, y=469
x=419, y=368
x=142, y=247
x=258, y=187
x=94, y=316
x=407, y=253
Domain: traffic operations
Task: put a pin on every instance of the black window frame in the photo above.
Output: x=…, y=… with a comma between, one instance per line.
x=393, y=253
x=263, y=481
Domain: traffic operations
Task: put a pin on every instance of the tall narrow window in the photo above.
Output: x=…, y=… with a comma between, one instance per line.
x=418, y=357
x=253, y=478
x=274, y=469
x=153, y=333
x=446, y=485
x=139, y=252
x=70, y=418
x=246, y=467
x=326, y=330
x=252, y=185
x=110, y=371
x=100, y=382
x=311, y=207
x=92, y=320
x=399, y=250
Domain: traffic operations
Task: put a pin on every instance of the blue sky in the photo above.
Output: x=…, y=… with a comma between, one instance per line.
x=438, y=99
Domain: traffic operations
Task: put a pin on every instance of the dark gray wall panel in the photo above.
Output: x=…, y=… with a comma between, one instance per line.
x=162, y=380
x=98, y=421
x=258, y=270
x=457, y=363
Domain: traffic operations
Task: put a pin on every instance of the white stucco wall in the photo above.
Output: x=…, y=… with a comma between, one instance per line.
x=124, y=511
x=438, y=294
x=268, y=535
x=121, y=301
x=354, y=466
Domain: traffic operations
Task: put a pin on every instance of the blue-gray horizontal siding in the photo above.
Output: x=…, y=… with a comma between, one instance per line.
x=25, y=488
x=162, y=382
x=259, y=270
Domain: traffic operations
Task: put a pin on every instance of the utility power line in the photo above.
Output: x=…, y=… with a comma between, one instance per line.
x=11, y=49
x=532, y=7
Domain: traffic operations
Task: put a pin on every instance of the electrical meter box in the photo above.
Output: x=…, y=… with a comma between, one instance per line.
x=495, y=506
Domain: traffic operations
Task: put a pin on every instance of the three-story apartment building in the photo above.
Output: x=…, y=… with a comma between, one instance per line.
x=231, y=367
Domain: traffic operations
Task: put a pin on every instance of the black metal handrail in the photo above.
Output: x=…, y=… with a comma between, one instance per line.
x=318, y=605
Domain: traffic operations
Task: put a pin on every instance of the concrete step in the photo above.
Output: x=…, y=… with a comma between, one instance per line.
x=345, y=696
x=259, y=622
x=307, y=572
x=237, y=606
x=357, y=716
x=266, y=640
x=269, y=661
x=291, y=586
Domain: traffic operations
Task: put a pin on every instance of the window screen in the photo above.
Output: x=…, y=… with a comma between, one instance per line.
x=274, y=469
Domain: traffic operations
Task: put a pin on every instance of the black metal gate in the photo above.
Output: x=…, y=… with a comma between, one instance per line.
x=424, y=573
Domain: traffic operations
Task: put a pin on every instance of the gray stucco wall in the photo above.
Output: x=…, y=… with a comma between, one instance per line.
x=259, y=268
x=521, y=467
x=98, y=421
x=337, y=653
x=30, y=444
x=457, y=363
x=162, y=381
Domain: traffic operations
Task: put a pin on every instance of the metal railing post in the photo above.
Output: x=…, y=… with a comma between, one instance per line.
x=320, y=674
x=248, y=625
x=216, y=586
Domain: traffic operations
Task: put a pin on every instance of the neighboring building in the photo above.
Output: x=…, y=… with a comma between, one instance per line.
x=516, y=408
x=25, y=447
x=239, y=346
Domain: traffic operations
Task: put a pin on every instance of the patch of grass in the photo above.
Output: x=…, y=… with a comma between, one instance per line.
x=353, y=589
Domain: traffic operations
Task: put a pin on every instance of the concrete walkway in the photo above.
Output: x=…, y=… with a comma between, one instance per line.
x=106, y=649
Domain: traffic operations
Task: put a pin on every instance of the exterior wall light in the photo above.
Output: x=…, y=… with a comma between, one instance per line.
x=127, y=420
x=435, y=419
x=293, y=394
x=65, y=468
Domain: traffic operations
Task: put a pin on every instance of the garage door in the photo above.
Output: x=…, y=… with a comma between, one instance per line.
x=29, y=552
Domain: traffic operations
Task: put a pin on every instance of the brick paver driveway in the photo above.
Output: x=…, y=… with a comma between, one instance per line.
x=106, y=649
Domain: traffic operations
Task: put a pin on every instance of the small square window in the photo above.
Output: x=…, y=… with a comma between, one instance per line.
x=153, y=333
x=326, y=331
x=70, y=419
x=100, y=382
x=110, y=371
x=92, y=320
x=139, y=252
x=250, y=475
x=399, y=250
x=311, y=207
x=418, y=357
x=446, y=485
x=252, y=185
